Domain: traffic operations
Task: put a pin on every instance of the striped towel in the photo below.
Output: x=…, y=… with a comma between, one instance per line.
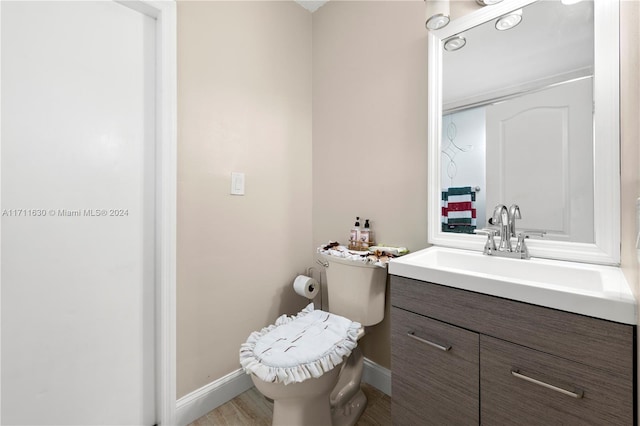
x=459, y=210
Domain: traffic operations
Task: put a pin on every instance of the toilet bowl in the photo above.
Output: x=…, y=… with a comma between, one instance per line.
x=301, y=403
x=297, y=361
x=309, y=364
x=335, y=398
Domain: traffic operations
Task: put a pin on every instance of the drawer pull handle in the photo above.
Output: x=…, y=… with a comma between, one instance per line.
x=577, y=394
x=435, y=345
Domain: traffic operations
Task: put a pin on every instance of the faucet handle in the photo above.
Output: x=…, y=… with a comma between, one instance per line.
x=490, y=245
x=521, y=247
x=491, y=232
x=527, y=234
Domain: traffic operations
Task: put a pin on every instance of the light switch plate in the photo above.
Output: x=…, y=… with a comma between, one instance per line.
x=237, y=183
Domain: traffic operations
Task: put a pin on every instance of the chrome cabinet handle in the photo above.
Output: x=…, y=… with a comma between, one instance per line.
x=576, y=394
x=435, y=345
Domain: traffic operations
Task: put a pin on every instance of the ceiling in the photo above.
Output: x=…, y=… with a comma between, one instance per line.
x=311, y=5
x=552, y=40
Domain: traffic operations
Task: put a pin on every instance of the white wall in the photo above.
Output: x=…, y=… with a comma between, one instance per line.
x=464, y=161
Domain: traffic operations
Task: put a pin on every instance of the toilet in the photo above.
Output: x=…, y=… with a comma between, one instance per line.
x=309, y=364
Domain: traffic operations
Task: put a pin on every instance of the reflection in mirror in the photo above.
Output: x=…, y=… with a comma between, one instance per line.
x=528, y=115
x=517, y=122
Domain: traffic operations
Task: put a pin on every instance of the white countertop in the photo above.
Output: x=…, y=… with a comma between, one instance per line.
x=594, y=290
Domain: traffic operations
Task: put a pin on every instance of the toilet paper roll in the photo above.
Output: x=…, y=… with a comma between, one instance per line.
x=306, y=286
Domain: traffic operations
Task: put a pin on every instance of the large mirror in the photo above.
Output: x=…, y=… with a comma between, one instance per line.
x=523, y=109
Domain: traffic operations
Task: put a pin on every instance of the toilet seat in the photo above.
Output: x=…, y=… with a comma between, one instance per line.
x=299, y=347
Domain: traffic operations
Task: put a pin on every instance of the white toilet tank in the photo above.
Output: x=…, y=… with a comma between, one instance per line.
x=356, y=290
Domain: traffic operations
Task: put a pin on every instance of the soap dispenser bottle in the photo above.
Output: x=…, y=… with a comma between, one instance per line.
x=365, y=235
x=355, y=234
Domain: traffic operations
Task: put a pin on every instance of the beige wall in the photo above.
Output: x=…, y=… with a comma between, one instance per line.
x=244, y=104
x=630, y=138
x=369, y=128
x=630, y=134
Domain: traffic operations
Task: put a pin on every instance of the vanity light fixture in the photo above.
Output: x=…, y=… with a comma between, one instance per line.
x=487, y=2
x=454, y=43
x=508, y=21
x=438, y=13
x=437, y=21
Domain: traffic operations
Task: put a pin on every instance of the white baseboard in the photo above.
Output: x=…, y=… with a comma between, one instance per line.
x=377, y=376
x=199, y=402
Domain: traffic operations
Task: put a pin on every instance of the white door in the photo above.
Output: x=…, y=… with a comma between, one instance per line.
x=77, y=201
x=540, y=156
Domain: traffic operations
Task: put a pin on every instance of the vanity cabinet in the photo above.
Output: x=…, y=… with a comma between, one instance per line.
x=444, y=390
x=460, y=357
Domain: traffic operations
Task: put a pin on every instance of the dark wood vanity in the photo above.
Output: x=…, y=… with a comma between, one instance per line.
x=463, y=358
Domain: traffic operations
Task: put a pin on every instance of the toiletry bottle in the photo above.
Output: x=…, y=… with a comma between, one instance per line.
x=355, y=234
x=365, y=235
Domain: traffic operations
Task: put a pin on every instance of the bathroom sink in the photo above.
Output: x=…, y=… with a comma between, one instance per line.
x=595, y=290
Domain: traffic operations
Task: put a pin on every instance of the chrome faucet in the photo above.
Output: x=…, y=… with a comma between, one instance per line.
x=514, y=213
x=506, y=219
x=501, y=217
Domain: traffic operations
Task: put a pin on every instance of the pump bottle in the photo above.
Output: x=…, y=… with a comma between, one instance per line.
x=355, y=234
x=365, y=235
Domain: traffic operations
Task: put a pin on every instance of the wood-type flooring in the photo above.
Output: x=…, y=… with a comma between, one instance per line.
x=251, y=408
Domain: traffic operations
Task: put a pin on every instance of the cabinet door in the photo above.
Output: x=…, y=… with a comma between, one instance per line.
x=435, y=372
x=522, y=386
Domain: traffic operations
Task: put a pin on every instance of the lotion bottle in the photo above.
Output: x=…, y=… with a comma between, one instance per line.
x=365, y=235
x=355, y=234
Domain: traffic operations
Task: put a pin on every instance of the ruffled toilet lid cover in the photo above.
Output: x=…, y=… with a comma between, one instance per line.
x=299, y=347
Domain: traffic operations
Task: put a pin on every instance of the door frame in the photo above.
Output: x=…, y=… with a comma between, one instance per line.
x=164, y=12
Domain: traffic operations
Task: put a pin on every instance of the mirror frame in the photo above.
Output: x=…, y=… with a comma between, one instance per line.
x=606, y=184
